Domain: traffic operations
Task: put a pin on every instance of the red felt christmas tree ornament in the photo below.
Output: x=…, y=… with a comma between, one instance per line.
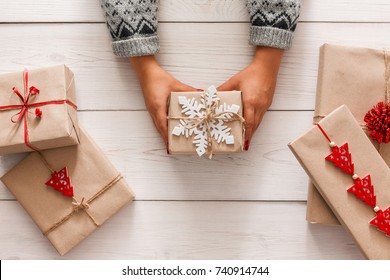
x=364, y=190
x=382, y=221
x=341, y=158
x=60, y=181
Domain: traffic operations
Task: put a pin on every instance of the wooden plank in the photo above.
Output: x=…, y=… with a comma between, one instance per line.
x=192, y=10
x=106, y=82
x=268, y=172
x=345, y=10
x=201, y=230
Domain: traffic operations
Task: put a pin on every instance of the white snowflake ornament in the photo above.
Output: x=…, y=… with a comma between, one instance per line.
x=206, y=120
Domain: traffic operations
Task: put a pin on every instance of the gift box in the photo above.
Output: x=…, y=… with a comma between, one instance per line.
x=69, y=192
x=359, y=78
x=37, y=110
x=205, y=123
x=352, y=178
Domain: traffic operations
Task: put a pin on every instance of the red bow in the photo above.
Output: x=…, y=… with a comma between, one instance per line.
x=32, y=91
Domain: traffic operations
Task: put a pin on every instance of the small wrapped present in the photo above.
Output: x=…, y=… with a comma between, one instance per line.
x=360, y=79
x=352, y=178
x=37, y=110
x=205, y=123
x=69, y=192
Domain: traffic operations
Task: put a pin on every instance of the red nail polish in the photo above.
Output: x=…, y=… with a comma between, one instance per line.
x=246, y=145
x=198, y=89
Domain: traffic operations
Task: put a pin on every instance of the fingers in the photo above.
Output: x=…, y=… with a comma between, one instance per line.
x=249, y=115
x=228, y=85
x=183, y=87
x=160, y=122
x=258, y=118
x=159, y=115
x=253, y=119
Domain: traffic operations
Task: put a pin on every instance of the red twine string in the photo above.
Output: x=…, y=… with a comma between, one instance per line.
x=30, y=92
x=378, y=122
x=323, y=132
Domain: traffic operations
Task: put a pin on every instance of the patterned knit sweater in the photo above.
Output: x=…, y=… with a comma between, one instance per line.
x=133, y=24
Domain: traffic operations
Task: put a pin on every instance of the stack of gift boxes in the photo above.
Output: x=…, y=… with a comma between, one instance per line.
x=346, y=153
x=66, y=184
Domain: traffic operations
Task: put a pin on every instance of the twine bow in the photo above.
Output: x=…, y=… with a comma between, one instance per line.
x=80, y=205
x=211, y=116
x=25, y=105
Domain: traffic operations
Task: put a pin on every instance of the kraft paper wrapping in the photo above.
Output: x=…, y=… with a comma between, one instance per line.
x=184, y=146
x=58, y=125
x=89, y=171
x=351, y=76
x=311, y=149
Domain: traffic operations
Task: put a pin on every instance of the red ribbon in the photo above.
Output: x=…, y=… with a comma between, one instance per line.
x=25, y=105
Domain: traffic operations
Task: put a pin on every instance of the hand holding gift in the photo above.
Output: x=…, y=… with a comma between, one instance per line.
x=257, y=83
x=156, y=84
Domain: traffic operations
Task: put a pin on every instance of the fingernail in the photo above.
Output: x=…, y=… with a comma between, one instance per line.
x=198, y=89
x=168, y=153
x=246, y=145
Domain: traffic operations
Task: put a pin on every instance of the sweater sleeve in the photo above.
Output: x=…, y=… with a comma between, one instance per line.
x=133, y=26
x=273, y=22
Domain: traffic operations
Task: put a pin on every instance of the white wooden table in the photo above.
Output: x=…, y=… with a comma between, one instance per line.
x=244, y=206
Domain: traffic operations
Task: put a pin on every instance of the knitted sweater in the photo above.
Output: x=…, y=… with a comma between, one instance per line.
x=133, y=24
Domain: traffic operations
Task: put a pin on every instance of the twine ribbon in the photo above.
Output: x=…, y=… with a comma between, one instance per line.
x=29, y=93
x=387, y=75
x=206, y=119
x=83, y=206
x=318, y=118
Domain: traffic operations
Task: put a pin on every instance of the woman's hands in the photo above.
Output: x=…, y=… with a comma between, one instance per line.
x=257, y=82
x=156, y=84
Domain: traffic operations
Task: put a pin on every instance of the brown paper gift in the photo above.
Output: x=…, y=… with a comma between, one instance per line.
x=180, y=117
x=99, y=191
x=355, y=77
x=48, y=120
x=311, y=150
